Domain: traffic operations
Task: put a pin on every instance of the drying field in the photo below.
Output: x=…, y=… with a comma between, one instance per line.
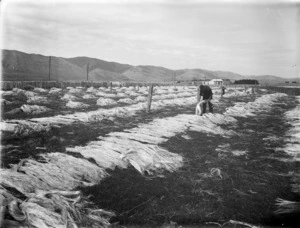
x=91, y=157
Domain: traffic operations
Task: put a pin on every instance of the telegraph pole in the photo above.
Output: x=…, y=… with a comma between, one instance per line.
x=49, y=67
x=87, y=71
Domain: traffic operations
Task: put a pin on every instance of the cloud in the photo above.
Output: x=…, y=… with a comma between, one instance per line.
x=195, y=34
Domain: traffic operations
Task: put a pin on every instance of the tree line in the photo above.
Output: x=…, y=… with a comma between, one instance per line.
x=246, y=81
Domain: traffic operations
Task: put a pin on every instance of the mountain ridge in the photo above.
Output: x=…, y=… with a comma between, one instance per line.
x=18, y=66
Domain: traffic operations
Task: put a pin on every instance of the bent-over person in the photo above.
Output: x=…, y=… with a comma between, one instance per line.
x=206, y=94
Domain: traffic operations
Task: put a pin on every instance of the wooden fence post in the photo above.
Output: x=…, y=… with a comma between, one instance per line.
x=149, y=98
x=198, y=94
x=110, y=85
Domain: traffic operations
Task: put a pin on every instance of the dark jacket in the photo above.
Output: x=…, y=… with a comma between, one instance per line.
x=206, y=92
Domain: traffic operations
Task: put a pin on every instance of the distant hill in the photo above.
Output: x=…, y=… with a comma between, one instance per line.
x=98, y=63
x=271, y=79
x=150, y=74
x=228, y=75
x=21, y=66
x=103, y=75
x=17, y=66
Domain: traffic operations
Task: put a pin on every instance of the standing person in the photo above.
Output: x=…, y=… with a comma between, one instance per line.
x=206, y=94
x=222, y=90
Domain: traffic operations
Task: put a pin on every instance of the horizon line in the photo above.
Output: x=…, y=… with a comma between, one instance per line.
x=3, y=49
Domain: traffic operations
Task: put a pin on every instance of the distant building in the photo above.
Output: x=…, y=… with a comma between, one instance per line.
x=214, y=82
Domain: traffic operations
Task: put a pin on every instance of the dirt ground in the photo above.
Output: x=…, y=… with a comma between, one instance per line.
x=245, y=190
x=211, y=188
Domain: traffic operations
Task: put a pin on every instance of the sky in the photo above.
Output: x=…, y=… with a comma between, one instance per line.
x=246, y=37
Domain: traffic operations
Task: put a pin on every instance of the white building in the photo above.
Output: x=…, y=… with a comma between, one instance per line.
x=214, y=82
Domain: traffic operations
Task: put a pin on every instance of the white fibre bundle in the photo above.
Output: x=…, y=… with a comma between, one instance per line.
x=34, y=109
x=120, y=94
x=37, y=100
x=185, y=94
x=23, y=127
x=20, y=181
x=263, y=103
x=106, y=95
x=106, y=101
x=239, y=109
x=292, y=136
x=219, y=118
x=7, y=93
x=140, y=98
x=152, y=130
x=105, y=89
x=76, y=104
x=105, y=157
x=138, y=145
x=57, y=171
x=145, y=92
x=29, y=94
x=143, y=88
x=293, y=149
x=110, y=95
x=110, y=113
x=75, y=90
x=159, y=91
x=119, y=89
x=88, y=96
x=91, y=90
x=169, y=96
x=54, y=90
x=139, y=136
x=69, y=97
x=40, y=90
x=28, y=126
x=174, y=102
x=100, y=93
x=115, y=151
x=126, y=100
x=60, y=171
x=131, y=88
x=17, y=90
x=172, y=89
x=293, y=115
x=132, y=93
x=203, y=123
x=56, y=120
x=157, y=97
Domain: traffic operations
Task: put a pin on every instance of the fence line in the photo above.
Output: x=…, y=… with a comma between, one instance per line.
x=8, y=85
x=294, y=91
